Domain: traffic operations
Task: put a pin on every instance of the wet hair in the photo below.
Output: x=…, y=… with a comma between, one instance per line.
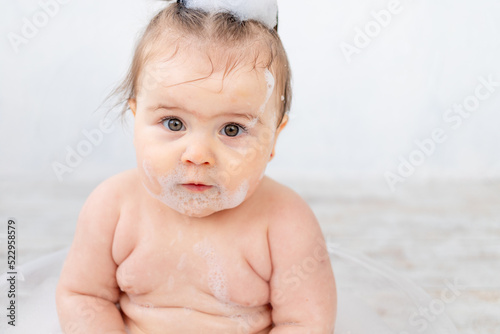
x=232, y=41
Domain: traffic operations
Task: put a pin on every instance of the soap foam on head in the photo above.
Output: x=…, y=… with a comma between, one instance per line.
x=264, y=11
x=174, y=195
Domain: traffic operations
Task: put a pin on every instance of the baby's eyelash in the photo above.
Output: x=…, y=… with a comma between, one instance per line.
x=243, y=128
x=168, y=118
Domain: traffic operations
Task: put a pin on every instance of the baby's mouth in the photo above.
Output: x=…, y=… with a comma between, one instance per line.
x=196, y=187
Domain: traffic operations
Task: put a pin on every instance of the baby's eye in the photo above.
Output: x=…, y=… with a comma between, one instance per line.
x=232, y=130
x=173, y=124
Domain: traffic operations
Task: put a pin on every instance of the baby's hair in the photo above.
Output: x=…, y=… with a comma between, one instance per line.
x=177, y=26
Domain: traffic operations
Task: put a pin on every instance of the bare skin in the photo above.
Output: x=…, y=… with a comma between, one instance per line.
x=164, y=272
x=145, y=262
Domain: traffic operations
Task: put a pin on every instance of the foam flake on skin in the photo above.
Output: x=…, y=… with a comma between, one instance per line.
x=188, y=310
x=270, y=87
x=171, y=283
x=262, y=175
x=217, y=281
x=270, y=82
x=182, y=262
x=147, y=169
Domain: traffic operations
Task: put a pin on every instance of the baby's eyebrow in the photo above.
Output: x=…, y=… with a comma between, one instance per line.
x=251, y=117
x=161, y=106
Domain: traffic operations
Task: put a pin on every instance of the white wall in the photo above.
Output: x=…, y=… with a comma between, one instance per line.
x=349, y=119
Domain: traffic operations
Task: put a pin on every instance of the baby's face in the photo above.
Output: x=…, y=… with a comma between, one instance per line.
x=202, y=146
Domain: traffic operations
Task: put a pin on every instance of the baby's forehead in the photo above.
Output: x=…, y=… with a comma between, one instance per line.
x=184, y=63
x=253, y=54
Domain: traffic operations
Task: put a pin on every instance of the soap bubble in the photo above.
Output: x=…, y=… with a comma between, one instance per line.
x=265, y=11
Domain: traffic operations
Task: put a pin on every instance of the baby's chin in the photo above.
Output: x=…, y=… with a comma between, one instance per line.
x=194, y=211
x=199, y=205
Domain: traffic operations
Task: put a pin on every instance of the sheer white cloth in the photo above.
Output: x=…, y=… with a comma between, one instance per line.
x=372, y=299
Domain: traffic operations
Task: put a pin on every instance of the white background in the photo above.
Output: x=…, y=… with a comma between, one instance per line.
x=349, y=120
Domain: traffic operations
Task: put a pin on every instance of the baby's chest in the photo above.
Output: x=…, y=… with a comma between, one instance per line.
x=167, y=272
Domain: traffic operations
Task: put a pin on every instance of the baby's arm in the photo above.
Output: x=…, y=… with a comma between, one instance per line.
x=87, y=290
x=303, y=293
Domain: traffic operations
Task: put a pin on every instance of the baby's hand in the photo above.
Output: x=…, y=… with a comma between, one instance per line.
x=303, y=293
x=87, y=290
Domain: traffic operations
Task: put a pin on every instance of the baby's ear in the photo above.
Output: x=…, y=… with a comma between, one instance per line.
x=132, y=103
x=284, y=121
x=282, y=125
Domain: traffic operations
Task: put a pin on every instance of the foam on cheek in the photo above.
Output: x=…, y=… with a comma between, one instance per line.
x=146, y=166
x=174, y=195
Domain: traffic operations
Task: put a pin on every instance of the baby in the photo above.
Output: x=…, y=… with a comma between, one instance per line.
x=196, y=239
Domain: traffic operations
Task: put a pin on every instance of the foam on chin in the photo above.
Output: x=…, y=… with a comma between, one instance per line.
x=192, y=204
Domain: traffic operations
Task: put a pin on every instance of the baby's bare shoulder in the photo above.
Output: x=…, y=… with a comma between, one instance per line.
x=282, y=203
x=108, y=197
x=291, y=222
x=123, y=181
x=118, y=186
x=89, y=268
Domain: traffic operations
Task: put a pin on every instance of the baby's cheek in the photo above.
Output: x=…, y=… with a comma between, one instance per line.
x=259, y=154
x=230, y=171
x=155, y=167
x=149, y=177
x=245, y=165
x=254, y=155
x=235, y=167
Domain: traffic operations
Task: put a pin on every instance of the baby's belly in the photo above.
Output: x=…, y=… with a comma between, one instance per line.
x=227, y=319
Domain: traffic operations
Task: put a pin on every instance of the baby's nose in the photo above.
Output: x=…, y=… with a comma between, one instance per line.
x=198, y=153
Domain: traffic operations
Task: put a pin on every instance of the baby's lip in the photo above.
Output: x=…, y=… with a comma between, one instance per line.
x=197, y=183
x=196, y=186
